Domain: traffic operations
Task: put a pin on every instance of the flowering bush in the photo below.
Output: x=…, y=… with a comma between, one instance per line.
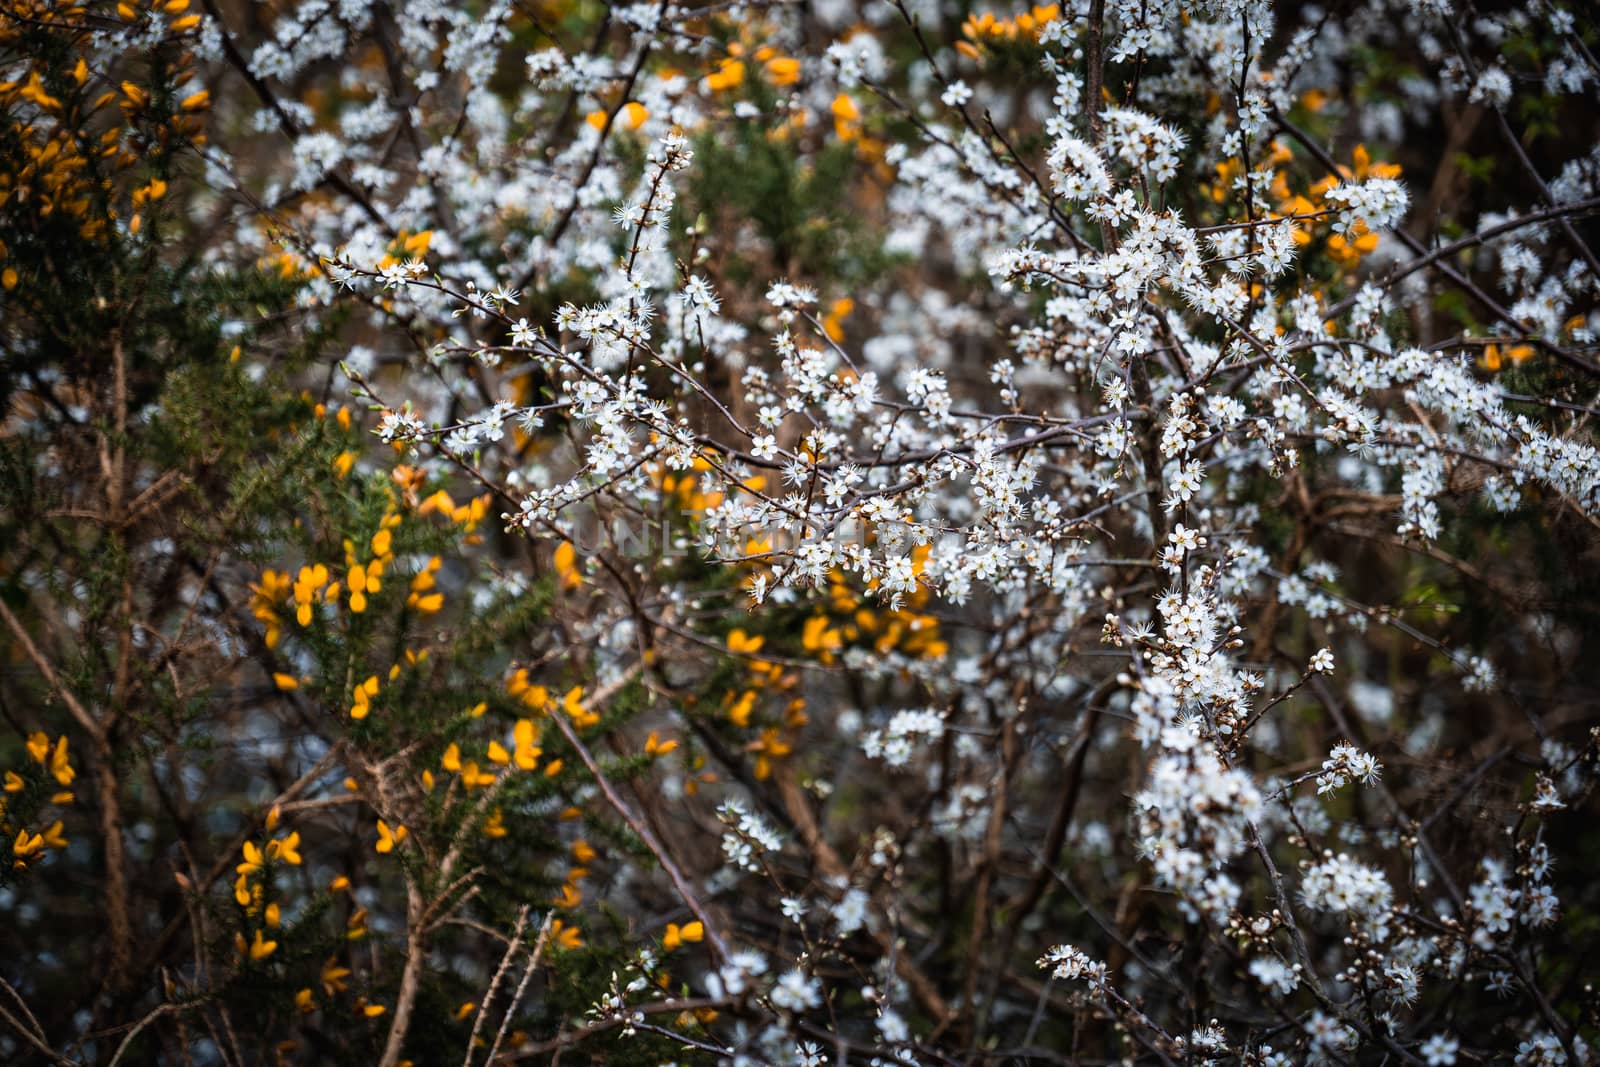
x=774, y=533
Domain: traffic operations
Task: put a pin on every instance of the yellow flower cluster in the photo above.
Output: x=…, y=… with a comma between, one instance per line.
x=1347, y=251
x=364, y=578
x=422, y=599
x=677, y=936
x=564, y=936
x=334, y=979
x=390, y=836
x=1495, y=357
x=406, y=247
x=1307, y=208
x=845, y=620
x=250, y=888
x=468, y=515
x=632, y=115
x=773, y=742
x=571, y=894
x=729, y=73
x=989, y=29
x=684, y=491
x=566, y=561
x=524, y=752
x=848, y=127
x=316, y=584
x=57, y=167
x=52, y=762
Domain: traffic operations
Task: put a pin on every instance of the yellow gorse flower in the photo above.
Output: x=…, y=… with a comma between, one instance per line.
x=254, y=860
x=572, y=704
x=59, y=766
x=782, y=70
x=261, y=948
x=307, y=584
x=1495, y=357
x=729, y=74
x=389, y=838
x=363, y=695
x=740, y=643
x=473, y=778
x=26, y=846
x=566, y=562
x=333, y=977
x=677, y=935
x=527, y=751
x=286, y=849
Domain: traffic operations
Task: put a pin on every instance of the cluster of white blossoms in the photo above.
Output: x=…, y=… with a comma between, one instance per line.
x=1341, y=884
x=1195, y=815
x=1346, y=764
x=897, y=742
x=1069, y=370
x=748, y=837
x=1070, y=964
